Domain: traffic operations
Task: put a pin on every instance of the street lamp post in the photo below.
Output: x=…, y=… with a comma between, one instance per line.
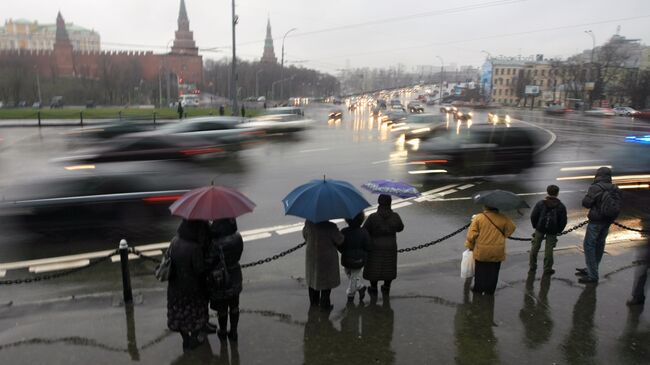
x=591, y=64
x=282, y=62
x=233, y=66
x=442, y=76
x=257, y=83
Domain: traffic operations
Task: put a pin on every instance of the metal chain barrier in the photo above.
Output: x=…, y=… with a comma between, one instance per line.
x=414, y=248
x=630, y=228
x=58, y=274
x=138, y=253
x=577, y=226
x=274, y=257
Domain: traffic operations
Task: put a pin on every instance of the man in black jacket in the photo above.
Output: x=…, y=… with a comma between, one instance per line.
x=599, y=221
x=549, y=218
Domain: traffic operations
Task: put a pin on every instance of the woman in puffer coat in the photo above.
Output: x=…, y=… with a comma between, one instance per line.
x=187, y=302
x=226, y=248
x=382, y=257
x=486, y=238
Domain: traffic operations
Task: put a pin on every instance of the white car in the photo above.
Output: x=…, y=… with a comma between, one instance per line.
x=624, y=110
x=600, y=112
x=279, y=123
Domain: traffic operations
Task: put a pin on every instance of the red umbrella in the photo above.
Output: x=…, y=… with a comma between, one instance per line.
x=212, y=203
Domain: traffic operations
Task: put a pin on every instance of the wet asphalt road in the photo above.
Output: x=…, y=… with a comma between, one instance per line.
x=357, y=149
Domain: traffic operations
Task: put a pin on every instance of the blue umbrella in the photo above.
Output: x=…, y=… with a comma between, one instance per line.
x=395, y=188
x=322, y=200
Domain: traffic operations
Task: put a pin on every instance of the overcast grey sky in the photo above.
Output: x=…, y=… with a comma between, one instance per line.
x=374, y=33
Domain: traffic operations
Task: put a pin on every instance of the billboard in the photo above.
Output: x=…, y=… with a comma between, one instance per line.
x=532, y=90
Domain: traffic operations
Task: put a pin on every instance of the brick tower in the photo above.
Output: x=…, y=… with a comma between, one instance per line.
x=63, y=55
x=269, y=54
x=184, y=39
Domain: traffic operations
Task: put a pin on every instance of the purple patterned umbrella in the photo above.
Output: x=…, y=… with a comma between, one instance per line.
x=395, y=188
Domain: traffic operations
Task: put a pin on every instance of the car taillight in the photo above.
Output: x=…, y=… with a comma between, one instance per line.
x=161, y=199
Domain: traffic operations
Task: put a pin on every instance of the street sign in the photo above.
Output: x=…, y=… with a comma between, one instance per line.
x=532, y=90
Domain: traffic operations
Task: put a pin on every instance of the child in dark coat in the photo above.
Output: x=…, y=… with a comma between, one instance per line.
x=354, y=253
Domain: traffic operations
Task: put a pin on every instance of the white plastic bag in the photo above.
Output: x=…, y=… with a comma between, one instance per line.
x=467, y=265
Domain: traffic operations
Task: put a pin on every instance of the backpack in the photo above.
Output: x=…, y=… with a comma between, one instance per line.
x=610, y=202
x=548, y=221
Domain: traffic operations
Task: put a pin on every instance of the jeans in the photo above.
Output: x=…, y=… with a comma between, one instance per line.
x=551, y=241
x=594, y=247
x=355, y=283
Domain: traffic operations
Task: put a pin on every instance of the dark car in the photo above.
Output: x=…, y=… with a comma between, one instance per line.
x=146, y=148
x=335, y=115
x=463, y=115
x=481, y=150
x=499, y=117
x=111, y=129
x=85, y=197
x=555, y=109
x=415, y=107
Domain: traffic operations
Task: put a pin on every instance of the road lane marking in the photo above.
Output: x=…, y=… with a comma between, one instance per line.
x=132, y=256
x=438, y=189
x=548, y=144
x=467, y=186
x=582, y=168
x=256, y=237
x=568, y=162
x=53, y=260
x=401, y=205
x=378, y=162
x=59, y=266
x=314, y=150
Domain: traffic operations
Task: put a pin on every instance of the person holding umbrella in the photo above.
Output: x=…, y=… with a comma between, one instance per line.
x=382, y=226
x=187, y=302
x=225, y=275
x=486, y=237
x=319, y=201
x=218, y=259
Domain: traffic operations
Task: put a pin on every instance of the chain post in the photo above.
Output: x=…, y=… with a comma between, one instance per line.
x=126, y=278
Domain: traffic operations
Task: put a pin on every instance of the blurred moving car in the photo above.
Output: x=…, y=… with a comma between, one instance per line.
x=625, y=110
x=285, y=110
x=600, y=112
x=555, y=109
x=337, y=115
x=279, y=123
x=448, y=109
x=415, y=107
x=463, y=116
x=396, y=112
x=481, y=150
x=146, y=148
x=644, y=114
x=110, y=129
x=499, y=117
x=220, y=130
x=122, y=197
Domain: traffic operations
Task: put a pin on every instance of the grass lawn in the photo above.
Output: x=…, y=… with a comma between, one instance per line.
x=109, y=113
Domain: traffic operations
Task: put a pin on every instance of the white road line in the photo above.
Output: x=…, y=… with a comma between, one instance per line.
x=132, y=256
x=254, y=237
x=401, y=205
x=465, y=187
x=290, y=230
x=264, y=230
x=53, y=260
x=378, y=162
x=548, y=144
x=438, y=189
x=59, y=266
x=314, y=150
x=567, y=162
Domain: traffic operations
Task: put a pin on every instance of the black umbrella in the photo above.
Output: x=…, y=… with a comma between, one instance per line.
x=500, y=199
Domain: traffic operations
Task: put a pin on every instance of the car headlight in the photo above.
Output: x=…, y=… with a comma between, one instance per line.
x=507, y=119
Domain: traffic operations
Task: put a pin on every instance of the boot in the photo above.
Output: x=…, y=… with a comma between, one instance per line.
x=362, y=294
x=324, y=302
x=234, y=321
x=186, y=341
x=314, y=297
x=223, y=326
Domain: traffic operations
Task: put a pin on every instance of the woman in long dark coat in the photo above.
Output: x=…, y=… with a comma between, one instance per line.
x=224, y=297
x=382, y=257
x=187, y=302
x=321, y=261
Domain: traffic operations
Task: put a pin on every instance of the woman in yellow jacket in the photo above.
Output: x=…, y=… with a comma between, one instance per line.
x=486, y=238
